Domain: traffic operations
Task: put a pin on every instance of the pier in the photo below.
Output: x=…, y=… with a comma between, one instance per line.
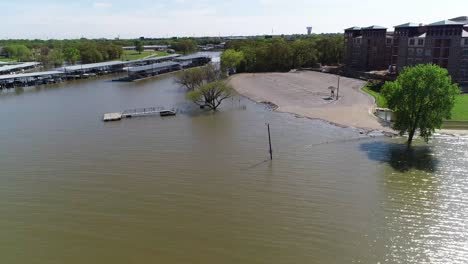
x=139, y=112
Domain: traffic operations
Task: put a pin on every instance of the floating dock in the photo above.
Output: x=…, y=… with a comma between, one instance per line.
x=150, y=111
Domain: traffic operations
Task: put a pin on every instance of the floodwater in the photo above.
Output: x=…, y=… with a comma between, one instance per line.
x=198, y=187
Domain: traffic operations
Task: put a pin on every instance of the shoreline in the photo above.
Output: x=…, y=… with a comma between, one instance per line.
x=303, y=94
x=253, y=95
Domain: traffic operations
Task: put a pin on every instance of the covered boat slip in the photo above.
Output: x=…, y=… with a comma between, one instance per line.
x=30, y=79
x=7, y=69
x=194, y=60
x=94, y=68
x=141, y=72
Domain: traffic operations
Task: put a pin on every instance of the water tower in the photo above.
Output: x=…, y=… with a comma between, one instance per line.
x=309, y=30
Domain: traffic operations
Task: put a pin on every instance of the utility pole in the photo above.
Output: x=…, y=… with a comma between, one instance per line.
x=338, y=89
x=269, y=141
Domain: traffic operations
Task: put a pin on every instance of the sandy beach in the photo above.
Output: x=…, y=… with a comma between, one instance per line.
x=305, y=93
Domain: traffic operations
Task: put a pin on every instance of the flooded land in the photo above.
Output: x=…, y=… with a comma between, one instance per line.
x=199, y=188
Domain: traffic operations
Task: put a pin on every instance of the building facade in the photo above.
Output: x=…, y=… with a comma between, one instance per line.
x=444, y=43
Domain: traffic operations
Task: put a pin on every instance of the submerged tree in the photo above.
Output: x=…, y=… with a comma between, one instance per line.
x=191, y=79
x=211, y=94
x=421, y=98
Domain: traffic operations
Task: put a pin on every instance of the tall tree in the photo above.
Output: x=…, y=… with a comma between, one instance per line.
x=421, y=98
x=56, y=57
x=192, y=79
x=71, y=55
x=231, y=59
x=139, y=46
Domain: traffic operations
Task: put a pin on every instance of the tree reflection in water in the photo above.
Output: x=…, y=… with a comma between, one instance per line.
x=399, y=157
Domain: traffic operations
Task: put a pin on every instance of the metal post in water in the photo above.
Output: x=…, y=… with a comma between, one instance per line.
x=269, y=141
x=338, y=89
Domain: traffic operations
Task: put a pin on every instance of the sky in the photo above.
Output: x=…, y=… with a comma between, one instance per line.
x=59, y=19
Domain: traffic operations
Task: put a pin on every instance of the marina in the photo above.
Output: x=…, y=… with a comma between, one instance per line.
x=136, y=69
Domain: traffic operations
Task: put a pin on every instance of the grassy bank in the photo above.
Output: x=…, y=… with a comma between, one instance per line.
x=459, y=113
x=3, y=59
x=134, y=55
x=379, y=99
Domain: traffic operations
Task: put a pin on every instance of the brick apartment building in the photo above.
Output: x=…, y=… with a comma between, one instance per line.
x=444, y=43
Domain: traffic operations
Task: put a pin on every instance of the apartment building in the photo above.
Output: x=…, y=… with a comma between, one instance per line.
x=444, y=43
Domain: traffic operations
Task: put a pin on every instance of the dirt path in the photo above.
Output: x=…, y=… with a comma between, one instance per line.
x=304, y=93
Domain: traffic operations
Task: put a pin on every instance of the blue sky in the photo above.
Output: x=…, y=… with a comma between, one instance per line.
x=46, y=19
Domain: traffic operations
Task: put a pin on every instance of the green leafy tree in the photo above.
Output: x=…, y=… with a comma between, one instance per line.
x=304, y=53
x=18, y=52
x=421, y=98
x=89, y=53
x=192, y=79
x=231, y=59
x=139, y=46
x=211, y=94
x=185, y=46
x=71, y=55
x=56, y=57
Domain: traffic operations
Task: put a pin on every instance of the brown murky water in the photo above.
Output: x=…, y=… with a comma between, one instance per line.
x=196, y=188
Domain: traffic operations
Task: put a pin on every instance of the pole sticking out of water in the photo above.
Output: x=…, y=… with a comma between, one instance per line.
x=338, y=89
x=269, y=141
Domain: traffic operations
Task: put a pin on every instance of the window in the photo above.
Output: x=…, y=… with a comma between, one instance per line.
x=410, y=52
x=464, y=64
x=438, y=43
x=465, y=52
x=428, y=53
x=389, y=41
x=444, y=63
x=436, y=53
x=419, y=52
x=466, y=42
x=446, y=42
x=420, y=42
x=446, y=53
x=411, y=42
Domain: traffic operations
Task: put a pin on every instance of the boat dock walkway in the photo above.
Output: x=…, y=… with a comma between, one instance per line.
x=139, y=112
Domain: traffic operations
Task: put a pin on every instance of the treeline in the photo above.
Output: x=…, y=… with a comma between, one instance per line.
x=56, y=52
x=279, y=54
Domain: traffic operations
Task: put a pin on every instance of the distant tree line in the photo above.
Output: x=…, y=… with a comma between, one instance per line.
x=281, y=54
x=56, y=52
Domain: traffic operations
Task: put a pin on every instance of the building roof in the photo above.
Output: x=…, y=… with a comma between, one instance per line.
x=92, y=66
x=374, y=27
x=353, y=28
x=26, y=75
x=155, y=58
x=18, y=66
x=446, y=23
x=191, y=57
x=408, y=25
x=461, y=19
x=148, y=47
x=155, y=66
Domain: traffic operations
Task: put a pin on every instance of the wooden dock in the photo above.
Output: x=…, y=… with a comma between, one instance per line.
x=139, y=112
